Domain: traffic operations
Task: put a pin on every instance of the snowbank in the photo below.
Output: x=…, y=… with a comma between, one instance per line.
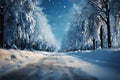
x=15, y=59
x=53, y=66
x=110, y=57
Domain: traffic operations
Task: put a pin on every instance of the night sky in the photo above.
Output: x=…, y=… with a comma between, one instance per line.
x=58, y=15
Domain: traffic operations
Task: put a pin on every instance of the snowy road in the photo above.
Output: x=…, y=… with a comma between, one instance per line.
x=62, y=67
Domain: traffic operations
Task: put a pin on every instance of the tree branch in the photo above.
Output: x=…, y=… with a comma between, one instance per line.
x=96, y=6
x=103, y=18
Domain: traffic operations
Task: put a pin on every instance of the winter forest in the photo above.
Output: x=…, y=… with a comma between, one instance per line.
x=59, y=39
x=24, y=26
x=95, y=25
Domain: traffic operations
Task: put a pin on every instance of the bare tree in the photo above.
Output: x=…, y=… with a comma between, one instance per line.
x=103, y=8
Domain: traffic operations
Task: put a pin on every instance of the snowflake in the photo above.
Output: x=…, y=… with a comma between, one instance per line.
x=1, y=6
x=12, y=0
x=59, y=3
x=44, y=8
x=49, y=0
x=9, y=14
x=64, y=6
x=59, y=16
x=51, y=11
x=54, y=28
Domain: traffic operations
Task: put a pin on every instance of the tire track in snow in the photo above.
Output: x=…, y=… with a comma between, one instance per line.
x=52, y=67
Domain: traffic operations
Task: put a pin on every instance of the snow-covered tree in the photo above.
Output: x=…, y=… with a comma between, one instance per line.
x=42, y=37
x=91, y=26
x=80, y=34
x=17, y=22
x=103, y=7
x=1, y=24
x=24, y=24
x=115, y=22
x=108, y=9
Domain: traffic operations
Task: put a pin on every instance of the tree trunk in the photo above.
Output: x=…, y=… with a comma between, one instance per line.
x=1, y=26
x=109, y=36
x=101, y=36
x=94, y=44
x=108, y=29
x=107, y=6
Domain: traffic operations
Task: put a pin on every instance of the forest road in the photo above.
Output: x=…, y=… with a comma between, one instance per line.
x=61, y=67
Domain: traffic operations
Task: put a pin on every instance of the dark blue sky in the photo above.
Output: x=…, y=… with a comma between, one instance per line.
x=57, y=12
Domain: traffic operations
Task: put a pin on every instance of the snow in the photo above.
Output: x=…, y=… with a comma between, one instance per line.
x=76, y=65
x=111, y=57
x=87, y=31
x=43, y=31
x=59, y=16
x=25, y=24
x=64, y=6
x=22, y=58
x=49, y=0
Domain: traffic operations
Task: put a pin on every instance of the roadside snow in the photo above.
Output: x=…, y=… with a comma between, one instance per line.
x=78, y=65
x=110, y=57
x=15, y=59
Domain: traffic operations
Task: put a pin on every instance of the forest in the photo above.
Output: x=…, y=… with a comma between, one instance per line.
x=95, y=25
x=24, y=26
x=59, y=39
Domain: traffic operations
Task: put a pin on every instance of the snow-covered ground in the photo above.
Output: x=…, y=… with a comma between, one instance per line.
x=107, y=57
x=15, y=59
x=106, y=62
x=26, y=65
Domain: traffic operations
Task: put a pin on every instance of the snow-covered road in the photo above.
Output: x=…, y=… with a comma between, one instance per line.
x=60, y=66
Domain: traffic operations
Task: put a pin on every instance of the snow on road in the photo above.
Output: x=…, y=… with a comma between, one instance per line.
x=60, y=66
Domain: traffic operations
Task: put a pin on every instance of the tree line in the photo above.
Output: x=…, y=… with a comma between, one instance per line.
x=95, y=25
x=19, y=24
